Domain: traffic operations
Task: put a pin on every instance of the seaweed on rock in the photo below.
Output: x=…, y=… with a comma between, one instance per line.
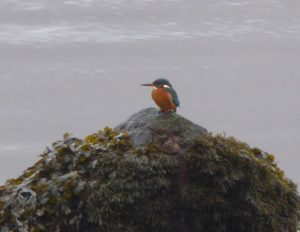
x=106, y=183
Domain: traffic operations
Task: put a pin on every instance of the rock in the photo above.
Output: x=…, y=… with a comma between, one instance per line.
x=154, y=172
x=169, y=129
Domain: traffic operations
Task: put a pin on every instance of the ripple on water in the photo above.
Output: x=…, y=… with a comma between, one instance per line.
x=108, y=21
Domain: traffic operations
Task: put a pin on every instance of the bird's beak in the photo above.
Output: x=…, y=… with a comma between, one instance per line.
x=147, y=85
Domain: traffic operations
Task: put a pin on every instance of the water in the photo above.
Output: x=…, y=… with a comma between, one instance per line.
x=76, y=66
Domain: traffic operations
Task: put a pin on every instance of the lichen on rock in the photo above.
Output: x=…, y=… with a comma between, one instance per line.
x=154, y=172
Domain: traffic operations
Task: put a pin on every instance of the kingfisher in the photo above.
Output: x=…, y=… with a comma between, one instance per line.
x=164, y=95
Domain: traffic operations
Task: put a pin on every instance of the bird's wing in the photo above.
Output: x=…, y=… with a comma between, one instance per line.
x=174, y=96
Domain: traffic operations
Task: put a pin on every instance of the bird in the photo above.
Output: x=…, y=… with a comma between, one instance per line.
x=164, y=95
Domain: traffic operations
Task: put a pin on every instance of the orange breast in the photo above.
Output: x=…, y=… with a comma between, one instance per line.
x=163, y=99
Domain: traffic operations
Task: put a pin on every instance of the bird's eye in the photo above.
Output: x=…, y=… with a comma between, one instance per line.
x=166, y=86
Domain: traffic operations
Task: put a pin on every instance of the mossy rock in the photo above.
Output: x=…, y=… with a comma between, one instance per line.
x=108, y=183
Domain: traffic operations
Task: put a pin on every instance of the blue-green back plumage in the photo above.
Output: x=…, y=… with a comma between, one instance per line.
x=174, y=96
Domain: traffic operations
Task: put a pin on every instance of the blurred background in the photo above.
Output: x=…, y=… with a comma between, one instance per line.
x=76, y=66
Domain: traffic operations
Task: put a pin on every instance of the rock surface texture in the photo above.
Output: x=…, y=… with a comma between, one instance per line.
x=154, y=172
x=171, y=131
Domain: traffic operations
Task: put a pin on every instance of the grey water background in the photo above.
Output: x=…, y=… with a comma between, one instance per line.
x=76, y=66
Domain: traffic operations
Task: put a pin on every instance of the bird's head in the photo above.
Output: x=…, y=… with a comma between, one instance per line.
x=160, y=83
